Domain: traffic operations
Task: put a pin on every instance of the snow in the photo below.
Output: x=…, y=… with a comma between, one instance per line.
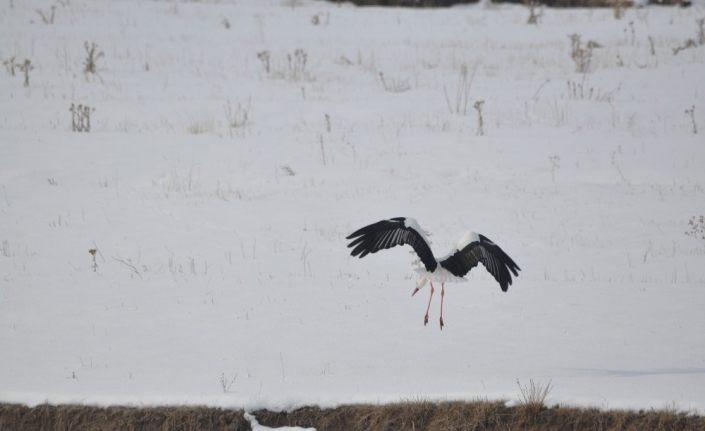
x=221, y=272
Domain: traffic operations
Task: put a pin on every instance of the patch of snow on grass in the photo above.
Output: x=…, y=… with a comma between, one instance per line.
x=257, y=427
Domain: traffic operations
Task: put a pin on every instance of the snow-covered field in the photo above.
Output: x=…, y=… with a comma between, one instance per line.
x=218, y=194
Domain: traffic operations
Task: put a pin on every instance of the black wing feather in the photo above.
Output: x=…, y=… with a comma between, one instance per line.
x=386, y=234
x=484, y=251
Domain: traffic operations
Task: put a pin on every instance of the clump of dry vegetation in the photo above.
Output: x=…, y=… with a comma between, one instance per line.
x=532, y=397
x=237, y=119
x=24, y=67
x=696, y=227
x=583, y=90
x=297, y=64
x=81, y=117
x=295, y=70
x=393, y=84
x=581, y=55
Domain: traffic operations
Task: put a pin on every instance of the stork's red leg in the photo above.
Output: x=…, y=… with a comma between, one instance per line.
x=425, y=319
x=443, y=293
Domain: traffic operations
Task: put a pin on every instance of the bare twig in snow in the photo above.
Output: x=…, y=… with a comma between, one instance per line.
x=462, y=91
x=10, y=65
x=690, y=43
x=128, y=264
x=652, y=48
x=287, y=170
x=47, y=19
x=226, y=384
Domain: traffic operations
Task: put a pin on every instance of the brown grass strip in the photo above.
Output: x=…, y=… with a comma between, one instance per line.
x=412, y=416
x=15, y=417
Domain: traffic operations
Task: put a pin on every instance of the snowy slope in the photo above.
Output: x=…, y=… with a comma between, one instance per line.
x=222, y=273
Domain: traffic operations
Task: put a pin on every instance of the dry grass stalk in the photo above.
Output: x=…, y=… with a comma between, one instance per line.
x=691, y=114
x=89, y=65
x=10, y=65
x=25, y=68
x=533, y=16
x=264, y=58
x=297, y=64
x=94, y=266
x=462, y=91
x=480, y=120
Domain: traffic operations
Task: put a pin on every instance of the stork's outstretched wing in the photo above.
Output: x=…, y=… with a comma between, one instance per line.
x=475, y=248
x=389, y=233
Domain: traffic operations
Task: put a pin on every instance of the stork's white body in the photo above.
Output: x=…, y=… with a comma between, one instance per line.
x=440, y=275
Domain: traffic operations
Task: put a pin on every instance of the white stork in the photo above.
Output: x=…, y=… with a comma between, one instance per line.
x=471, y=249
